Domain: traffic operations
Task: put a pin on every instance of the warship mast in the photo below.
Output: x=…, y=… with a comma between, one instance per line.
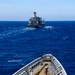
x=34, y=14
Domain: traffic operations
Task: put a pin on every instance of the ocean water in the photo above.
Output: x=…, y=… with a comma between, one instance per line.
x=20, y=45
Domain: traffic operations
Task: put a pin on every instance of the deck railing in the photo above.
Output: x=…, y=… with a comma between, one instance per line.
x=29, y=67
x=26, y=70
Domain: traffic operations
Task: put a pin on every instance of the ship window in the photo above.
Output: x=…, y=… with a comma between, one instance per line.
x=32, y=67
x=59, y=73
x=37, y=64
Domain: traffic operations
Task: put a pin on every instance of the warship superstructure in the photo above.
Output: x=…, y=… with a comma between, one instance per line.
x=44, y=65
x=36, y=22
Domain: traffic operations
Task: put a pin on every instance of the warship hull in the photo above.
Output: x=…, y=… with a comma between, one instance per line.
x=44, y=65
x=36, y=22
x=36, y=26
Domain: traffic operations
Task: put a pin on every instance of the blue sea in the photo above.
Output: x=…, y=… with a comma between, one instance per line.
x=19, y=44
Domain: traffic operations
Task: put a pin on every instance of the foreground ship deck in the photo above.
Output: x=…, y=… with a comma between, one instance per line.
x=45, y=65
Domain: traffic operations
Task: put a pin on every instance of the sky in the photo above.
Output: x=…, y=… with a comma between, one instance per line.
x=50, y=10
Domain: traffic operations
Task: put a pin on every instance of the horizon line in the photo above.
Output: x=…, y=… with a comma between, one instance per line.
x=46, y=20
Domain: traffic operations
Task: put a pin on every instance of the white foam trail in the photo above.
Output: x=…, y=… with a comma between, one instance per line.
x=49, y=27
x=15, y=32
x=29, y=29
x=14, y=60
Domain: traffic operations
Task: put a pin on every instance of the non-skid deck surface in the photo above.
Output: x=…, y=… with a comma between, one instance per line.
x=41, y=69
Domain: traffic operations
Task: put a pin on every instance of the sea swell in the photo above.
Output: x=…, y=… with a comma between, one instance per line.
x=20, y=44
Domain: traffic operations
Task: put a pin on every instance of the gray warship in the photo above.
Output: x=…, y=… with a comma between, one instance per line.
x=44, y=65
x=35, y=21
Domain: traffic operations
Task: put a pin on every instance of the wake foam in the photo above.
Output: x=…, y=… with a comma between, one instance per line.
x=29, y=28
x=15, y=32
x=49, y=27
x=14, y=60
